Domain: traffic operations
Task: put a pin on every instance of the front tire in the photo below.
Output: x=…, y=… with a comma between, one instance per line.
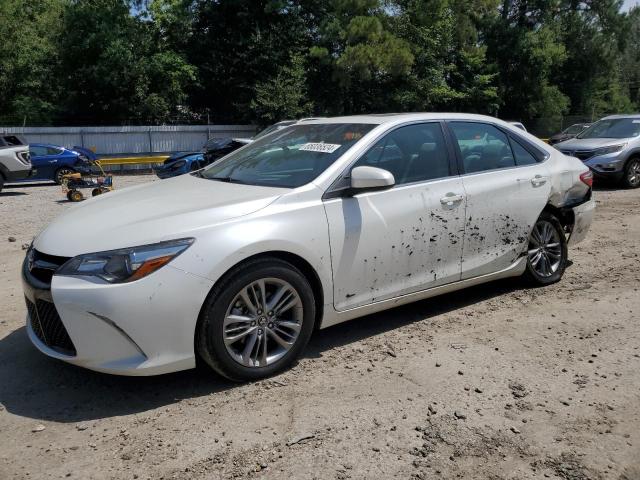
x=631, y=177
x=1, y=182
x=257, y=320
x=547, y=252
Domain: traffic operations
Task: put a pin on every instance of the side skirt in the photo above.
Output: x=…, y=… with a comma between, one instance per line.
x=334, y=317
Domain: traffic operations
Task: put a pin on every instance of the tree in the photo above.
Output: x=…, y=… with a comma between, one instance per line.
x=593, y=33
x=524, y=44
x=116, y=69
x=29, y=60
x=283, y=96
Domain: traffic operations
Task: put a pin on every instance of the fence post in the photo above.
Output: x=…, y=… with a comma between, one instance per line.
x=150, y=141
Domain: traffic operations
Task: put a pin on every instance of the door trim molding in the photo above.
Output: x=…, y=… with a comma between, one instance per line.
x=333, y=317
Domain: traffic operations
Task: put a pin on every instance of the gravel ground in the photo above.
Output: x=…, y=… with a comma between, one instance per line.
x=496, y=382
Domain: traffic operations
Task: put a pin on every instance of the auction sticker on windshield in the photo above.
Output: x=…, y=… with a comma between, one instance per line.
x=319, y=147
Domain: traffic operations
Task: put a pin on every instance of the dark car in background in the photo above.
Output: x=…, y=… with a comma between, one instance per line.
x=52, y=161
x=568, y=133
x=180, y=163
x=216, y=148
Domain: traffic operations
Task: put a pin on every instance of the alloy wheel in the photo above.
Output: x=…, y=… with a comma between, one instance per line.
x=263, y=322
x=545, y=249
x=633, y=173
x=61, y=173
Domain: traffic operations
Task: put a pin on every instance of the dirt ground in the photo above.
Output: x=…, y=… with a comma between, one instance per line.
x=495, y=382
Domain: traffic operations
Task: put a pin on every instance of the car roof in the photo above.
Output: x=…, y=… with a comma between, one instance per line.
x=628, y=115
x=46, y=145
x=383, y=118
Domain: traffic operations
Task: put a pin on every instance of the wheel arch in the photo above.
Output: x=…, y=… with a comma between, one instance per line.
x=565, y=216
x=297, y=261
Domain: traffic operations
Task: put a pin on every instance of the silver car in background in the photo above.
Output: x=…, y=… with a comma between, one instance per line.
x=610, y=148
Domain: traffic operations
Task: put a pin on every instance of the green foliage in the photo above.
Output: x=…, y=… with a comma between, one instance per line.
x=160, y=61
x=29, y=57
x=283, y=96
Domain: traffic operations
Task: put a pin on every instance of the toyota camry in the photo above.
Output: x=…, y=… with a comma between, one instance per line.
x=238, y=263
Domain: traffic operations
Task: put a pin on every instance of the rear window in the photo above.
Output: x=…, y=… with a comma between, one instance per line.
x=11, y=141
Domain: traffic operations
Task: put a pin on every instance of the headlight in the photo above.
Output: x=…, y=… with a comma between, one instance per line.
x=126, y=264
x=611, y=149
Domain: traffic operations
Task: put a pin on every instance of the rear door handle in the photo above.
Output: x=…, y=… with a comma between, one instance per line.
x=451, y=199
x=538, y=181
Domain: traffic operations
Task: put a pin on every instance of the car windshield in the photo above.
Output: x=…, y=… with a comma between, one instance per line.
x=290, y=157
x=574, y=129
x=272, y=128
x=613, y=128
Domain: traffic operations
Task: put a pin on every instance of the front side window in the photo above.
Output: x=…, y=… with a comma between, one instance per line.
x=482, y=146
x=289, y=158
x=37, y=151
x=414, y=153
x=613, y=128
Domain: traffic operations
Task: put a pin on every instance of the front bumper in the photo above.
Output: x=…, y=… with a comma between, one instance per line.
x=583, y=215
x=607, y=166
x=145, y=327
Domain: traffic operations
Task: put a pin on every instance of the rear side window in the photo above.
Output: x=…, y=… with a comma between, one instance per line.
x=37, y=151
x=414, y=153
x=522, y=155
x=482, y=146
x=11, y=141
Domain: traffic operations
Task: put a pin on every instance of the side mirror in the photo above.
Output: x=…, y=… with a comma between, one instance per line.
x=370, y=178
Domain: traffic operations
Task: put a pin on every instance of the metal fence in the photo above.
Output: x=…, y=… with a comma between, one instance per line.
x=132, y=140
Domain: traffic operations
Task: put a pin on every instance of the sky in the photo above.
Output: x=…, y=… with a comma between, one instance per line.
x=630, y=3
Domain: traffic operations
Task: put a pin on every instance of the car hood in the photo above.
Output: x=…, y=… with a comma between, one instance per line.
x=150, y=213
x=589, y=143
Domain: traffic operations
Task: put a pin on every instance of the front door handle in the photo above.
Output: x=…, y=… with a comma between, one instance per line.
x=53, y=161
x=538, y=181
x=451, y=199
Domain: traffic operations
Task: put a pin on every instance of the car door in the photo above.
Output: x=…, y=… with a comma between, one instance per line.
x=507, y=185
x=39, y=161
x=403, y=239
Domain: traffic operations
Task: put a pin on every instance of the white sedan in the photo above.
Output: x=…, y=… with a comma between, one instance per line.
x=312, y=225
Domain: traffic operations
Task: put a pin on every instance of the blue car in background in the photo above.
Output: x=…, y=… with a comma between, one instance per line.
x=52, y=161
x=180, y=163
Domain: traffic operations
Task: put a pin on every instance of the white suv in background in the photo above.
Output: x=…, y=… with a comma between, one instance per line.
x=15, y=162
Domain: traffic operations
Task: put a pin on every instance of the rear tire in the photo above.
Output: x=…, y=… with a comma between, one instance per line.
x=631, y=177
x=1, y=182
x=547, y=253
x=62, y=171
x=245, y=335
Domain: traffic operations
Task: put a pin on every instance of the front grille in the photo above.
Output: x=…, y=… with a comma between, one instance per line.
x=584, y=155
x=43, y=266
x=48, y=327
x=581, y=154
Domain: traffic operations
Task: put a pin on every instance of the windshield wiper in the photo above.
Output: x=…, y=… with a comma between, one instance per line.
x=228, y=179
